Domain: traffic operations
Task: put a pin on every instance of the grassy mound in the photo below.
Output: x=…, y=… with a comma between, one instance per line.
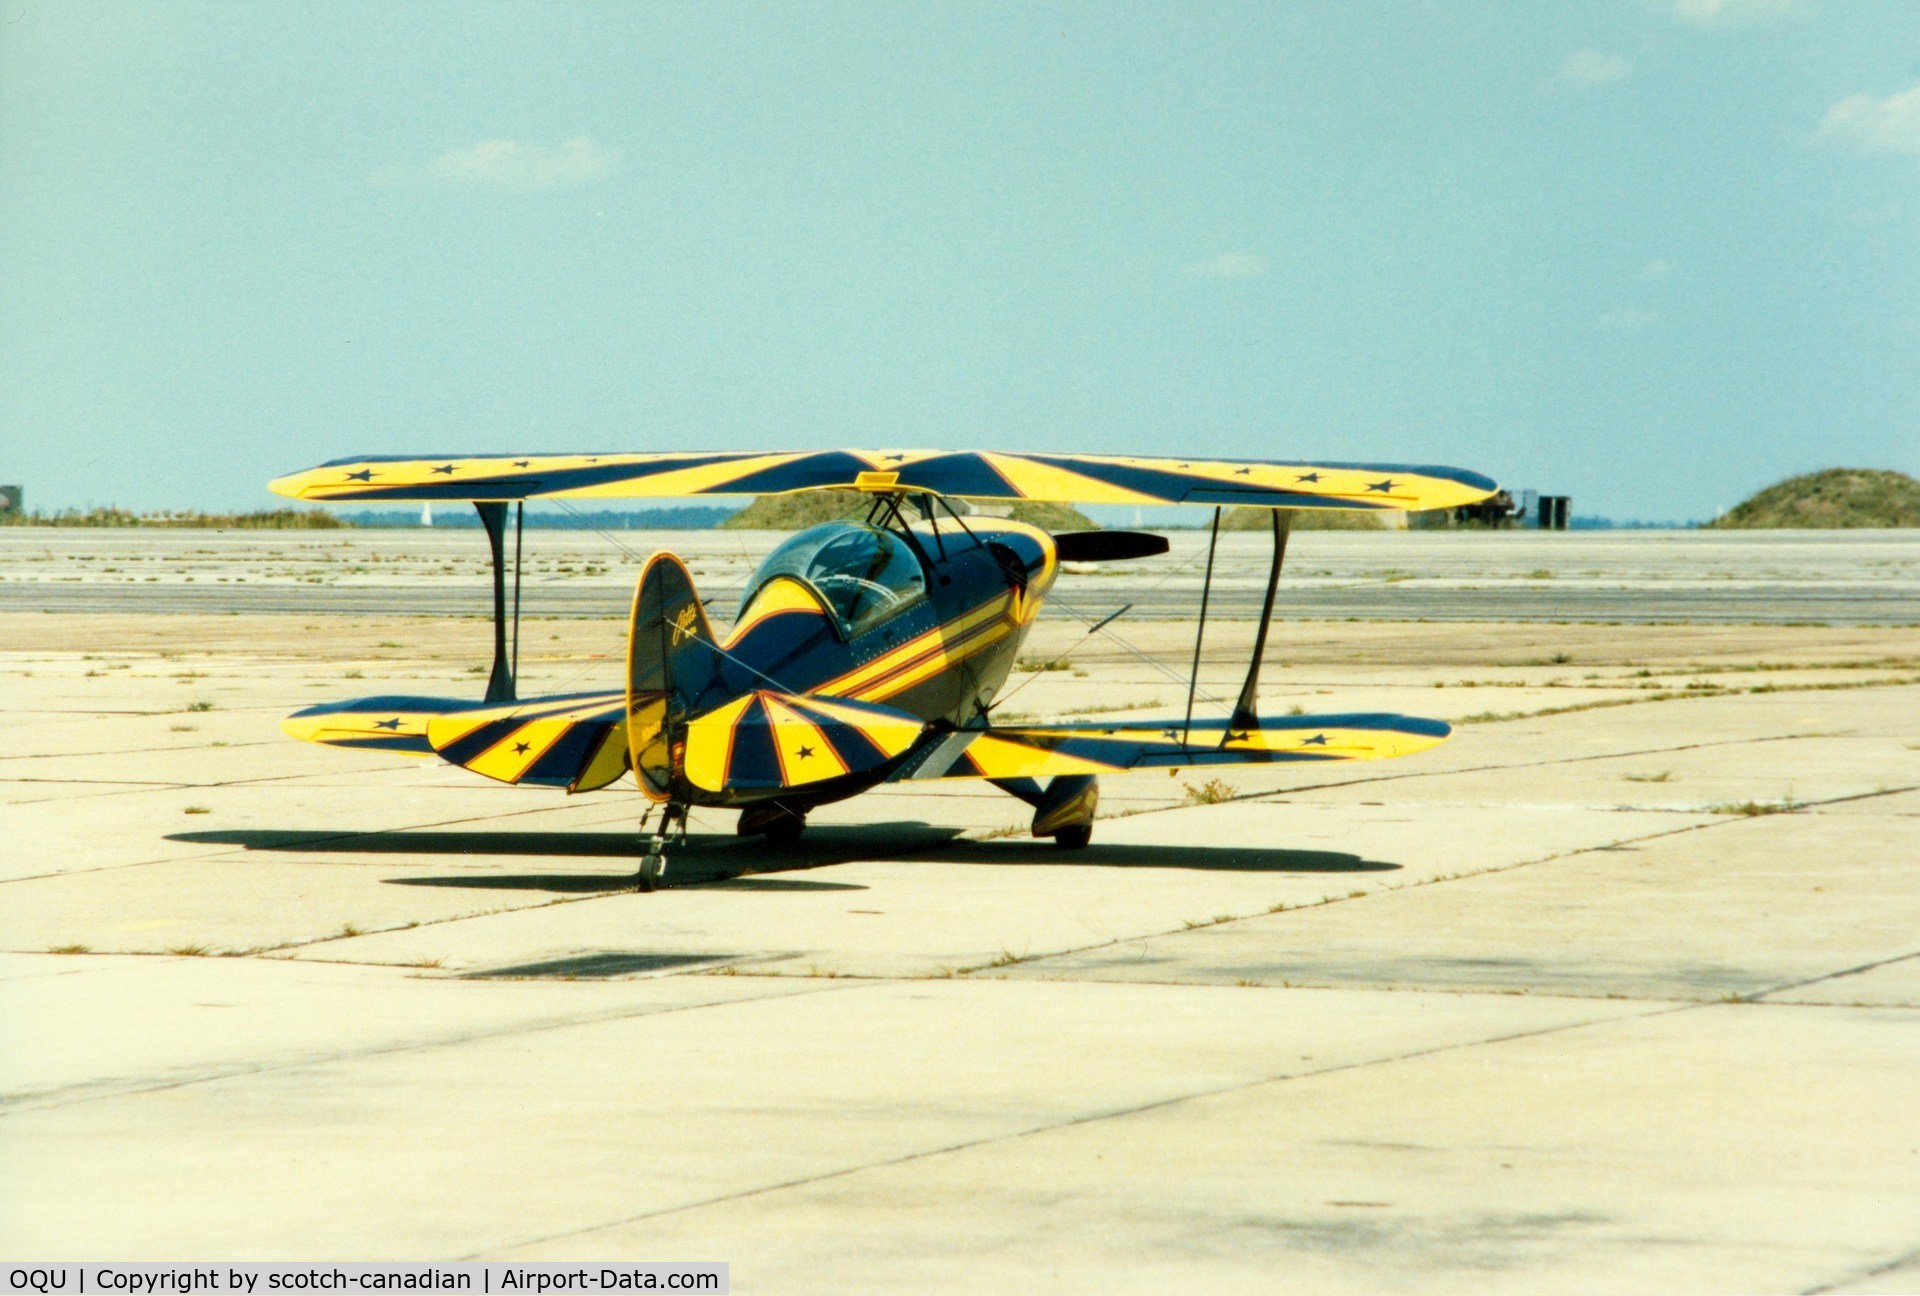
x=798, y=511
x=1052, y=517
x=1829, y=500
x=803, y=509
x=1258, y=519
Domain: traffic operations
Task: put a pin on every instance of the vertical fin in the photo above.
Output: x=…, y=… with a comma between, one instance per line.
x=671, y=664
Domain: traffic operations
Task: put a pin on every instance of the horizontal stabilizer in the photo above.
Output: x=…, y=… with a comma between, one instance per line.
x=1048, y=751
x=1062, y=478
x=393, y=724
x=767, y=741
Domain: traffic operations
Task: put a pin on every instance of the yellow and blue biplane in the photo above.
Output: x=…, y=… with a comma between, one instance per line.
x=865, y=651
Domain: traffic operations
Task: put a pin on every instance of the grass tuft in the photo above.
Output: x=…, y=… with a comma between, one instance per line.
x=1212, y=792
x=1752, y=809
x=1041, y=664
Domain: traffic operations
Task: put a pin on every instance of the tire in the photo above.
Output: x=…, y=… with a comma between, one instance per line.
x=1074, y=838
x=652, y=867
x=784, y=834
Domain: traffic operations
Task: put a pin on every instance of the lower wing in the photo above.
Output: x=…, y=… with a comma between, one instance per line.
x=1045, y=751
x=574, y=741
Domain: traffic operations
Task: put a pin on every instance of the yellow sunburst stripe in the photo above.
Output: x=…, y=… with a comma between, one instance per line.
x=686, y=481
x=608, y=762
x=1044, y=481
x=805, y=754
x=1009, y=758
x=782, y=594
x=445, y=730
x=325, y=483
x=509, y=758
x=892, y=732
x=334, y=728
x=710, y=744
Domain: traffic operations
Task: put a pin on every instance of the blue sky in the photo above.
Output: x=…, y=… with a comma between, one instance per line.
x=1651, y=253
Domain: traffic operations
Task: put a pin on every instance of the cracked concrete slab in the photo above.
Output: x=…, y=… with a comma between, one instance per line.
x=1618, y=997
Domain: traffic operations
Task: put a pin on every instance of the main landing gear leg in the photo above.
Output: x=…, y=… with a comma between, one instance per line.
x=653, y=865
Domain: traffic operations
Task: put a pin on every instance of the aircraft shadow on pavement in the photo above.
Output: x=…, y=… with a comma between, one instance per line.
x=745, y=863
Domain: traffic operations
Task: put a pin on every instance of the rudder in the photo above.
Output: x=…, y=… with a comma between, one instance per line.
x=672, y=663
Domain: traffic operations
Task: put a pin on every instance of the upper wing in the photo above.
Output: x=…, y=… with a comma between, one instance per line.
x=1044, y=751
x=1064, y=478
x=576, y=741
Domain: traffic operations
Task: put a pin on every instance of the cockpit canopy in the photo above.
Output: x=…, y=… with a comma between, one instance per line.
x=863, y=574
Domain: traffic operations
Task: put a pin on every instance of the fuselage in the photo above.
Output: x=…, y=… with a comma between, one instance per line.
x=920, y=620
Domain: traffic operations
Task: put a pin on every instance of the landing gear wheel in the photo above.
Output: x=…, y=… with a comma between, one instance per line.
x=653, y=871
x=1073, y=838
x=784, y=834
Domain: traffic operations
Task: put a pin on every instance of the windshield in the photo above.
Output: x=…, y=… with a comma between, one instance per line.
x=864, y=574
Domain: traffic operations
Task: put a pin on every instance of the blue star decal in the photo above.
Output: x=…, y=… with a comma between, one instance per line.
x=387, y=724
x=521, y=463
x=805, y=752
x=1318, y=740
x=365, y=475
x=1308, y=477
x=1243, y=472
x=445, y=470
x=1382, y=486
x=521, y=749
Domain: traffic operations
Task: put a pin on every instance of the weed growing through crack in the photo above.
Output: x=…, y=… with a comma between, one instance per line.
x=1212, y=792
x=1752, y=809
x=1037, y=664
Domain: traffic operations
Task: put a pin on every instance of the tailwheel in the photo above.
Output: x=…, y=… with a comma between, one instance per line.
x=653, y=865
x=1073, y=838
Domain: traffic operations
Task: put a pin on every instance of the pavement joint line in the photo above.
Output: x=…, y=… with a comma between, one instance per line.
x=1757, y=996
x=1714, y=821
x=1089, y=1118
x=127, y=751
x=1864, y=1274
x=1753, y=999
x=280, y=951
x=46, y=1100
